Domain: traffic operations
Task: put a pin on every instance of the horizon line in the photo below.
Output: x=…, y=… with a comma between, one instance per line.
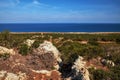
x=62, y=23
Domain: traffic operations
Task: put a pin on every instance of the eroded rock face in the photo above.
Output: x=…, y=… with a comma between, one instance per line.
x=47, y=47
x=80, y=71
x=42, y=75
x=4, y=50
x=54, y=74
x=39, y=65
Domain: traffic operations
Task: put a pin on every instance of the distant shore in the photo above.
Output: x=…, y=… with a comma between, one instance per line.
x=66, y=32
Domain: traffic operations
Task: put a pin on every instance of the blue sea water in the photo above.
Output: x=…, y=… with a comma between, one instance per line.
x=60, y=27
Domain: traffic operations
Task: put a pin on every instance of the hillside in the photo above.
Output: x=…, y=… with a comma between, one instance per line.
x=59, y=56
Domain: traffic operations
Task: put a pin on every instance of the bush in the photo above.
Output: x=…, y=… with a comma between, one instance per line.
x=24, y=49
x=4, y=56
x=5, y=35
x=93, y=43
x=70, y=51
x=118, y=40
x=98, y=74
x=6, y=39
x=35, y=44
x=115, y=72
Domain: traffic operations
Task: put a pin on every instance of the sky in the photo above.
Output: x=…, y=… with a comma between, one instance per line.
x=59, y=11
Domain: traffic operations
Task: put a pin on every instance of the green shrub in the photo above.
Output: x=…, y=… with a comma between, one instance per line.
x=4, y=56
x=93, y=43
x=115, y=72
x=98, y=74
x=24, y=49
x=118, y=40
x=35, y=44
x=5, y=35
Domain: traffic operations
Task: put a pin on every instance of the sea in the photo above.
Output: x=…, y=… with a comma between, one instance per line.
x=60, y=27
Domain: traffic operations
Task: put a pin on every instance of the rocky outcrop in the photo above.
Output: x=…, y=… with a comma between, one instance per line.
x=48, y=73
x=79, y=70
x=48, y=47
x=41, y=64
x=53, y=75
x=108, y=62
x=29, y=42
x=4, y=75
x=4, y=50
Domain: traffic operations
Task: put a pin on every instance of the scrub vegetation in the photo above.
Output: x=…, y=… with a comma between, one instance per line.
x=90, y=46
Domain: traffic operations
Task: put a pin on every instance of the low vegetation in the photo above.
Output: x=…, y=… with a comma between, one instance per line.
x=99, y=74
x=71, y=47
x=24, y=50
x=4, y=56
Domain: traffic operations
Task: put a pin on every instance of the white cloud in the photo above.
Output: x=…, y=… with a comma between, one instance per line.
x=36, y=2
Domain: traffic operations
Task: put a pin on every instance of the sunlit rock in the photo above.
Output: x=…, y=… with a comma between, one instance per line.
x=108, y=62
x=29, y=42
x=79, y=70
x=46, y=72
x=4, y=75
x=48, y=47
x=4, y=50
x=53, y=74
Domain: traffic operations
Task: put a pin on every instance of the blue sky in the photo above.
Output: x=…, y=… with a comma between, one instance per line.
x=59, y=11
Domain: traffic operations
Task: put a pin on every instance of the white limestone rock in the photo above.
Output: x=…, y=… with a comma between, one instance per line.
x=46, y=72
x=2, y=74
x=47, y=47
x=29, y=42
x=80, y=70
x=4, y=50
x=11, y=76
x=108, y=62
x=22, y=76
x=56, y=67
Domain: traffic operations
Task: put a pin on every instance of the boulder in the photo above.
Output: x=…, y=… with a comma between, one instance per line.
x=29, y=42
x=48, y=47
x=79, y=70
x=108, y=62
x=4, y=50
x=4, y=75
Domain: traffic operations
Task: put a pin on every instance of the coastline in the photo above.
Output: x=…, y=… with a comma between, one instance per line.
x=65, y=32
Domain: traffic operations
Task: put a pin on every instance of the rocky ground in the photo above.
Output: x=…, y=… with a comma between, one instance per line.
x=40, y=65
x=45, y=63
